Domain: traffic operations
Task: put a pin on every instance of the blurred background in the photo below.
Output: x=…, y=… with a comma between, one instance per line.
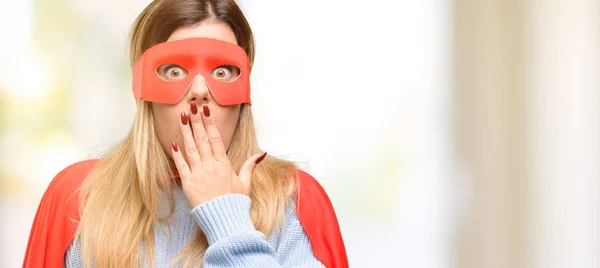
x=447, y=133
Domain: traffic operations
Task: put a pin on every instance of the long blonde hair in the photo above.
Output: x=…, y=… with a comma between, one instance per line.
x=124, y=197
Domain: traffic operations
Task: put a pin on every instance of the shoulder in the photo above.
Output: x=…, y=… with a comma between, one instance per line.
x=317, y=217
x=60, y=193
x=305, y=177
x=56, y=219
x=75, y=172
x=70, y=178
x=309, y=188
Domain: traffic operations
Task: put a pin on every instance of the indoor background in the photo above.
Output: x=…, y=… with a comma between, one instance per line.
x=446, y=133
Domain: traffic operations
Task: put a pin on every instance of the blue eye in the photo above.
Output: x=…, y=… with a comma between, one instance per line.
x=226, y=73
x=171, y=72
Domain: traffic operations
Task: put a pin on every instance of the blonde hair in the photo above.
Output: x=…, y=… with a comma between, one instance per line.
x=124, y=197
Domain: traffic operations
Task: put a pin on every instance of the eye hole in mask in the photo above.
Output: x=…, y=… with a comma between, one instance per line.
x=171, y=72
x=226, y=73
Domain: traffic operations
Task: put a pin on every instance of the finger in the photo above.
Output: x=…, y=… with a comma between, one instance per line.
x=182, y=167
x=188, y=142
x=200, y=137
x=214, y=136
x=247, y=168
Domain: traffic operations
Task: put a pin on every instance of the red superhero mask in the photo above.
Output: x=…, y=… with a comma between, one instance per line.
x=196, y=56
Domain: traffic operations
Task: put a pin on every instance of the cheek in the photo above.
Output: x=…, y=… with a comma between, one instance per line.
x=167, y=124
x=228, y=123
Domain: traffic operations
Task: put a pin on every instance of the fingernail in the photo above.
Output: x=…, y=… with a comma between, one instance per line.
x=184, y=119
x=194, y=108
x=206, y=110
x=175, y=147
x=260, y=158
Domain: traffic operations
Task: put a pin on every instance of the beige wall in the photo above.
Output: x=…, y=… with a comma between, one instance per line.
x=489, y=134
x=527, y=127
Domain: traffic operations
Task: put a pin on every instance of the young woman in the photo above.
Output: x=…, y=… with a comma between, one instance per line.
x=188, y=186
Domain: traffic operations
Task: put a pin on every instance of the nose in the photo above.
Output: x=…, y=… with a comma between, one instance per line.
x=198, y=90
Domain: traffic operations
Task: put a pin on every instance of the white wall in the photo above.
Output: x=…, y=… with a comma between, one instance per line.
x=564, y=118
x=360, y=90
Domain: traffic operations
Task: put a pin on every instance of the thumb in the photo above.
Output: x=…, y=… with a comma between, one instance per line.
x=248, y=167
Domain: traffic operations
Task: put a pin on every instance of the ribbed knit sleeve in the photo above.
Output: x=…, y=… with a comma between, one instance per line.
x=234, y=242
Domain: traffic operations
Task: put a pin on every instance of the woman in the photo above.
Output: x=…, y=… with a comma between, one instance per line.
x=188, y=185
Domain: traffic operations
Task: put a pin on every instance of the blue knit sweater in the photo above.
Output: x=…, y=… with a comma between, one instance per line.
x=233, y=241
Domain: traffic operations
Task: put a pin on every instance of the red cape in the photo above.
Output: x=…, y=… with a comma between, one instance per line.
x=57, y=217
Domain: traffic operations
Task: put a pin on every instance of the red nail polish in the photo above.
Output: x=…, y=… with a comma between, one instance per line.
x=260, y=158
x=194, y=108
x=184, y=118
x=175, y=147
x=206, y=110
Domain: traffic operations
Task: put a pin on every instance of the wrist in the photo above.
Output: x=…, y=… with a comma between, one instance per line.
x=224, y=216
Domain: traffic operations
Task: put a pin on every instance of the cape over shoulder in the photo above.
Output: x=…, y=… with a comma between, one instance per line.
x=317, y=217
x=56, y=218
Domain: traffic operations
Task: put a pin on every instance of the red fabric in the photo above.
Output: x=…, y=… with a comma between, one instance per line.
x=317, y=216
x=56, y=220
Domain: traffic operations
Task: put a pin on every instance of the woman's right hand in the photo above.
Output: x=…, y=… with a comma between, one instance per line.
x=207, y=173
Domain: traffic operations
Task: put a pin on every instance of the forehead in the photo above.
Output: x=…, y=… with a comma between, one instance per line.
x=189, y=50
x=208, y=29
